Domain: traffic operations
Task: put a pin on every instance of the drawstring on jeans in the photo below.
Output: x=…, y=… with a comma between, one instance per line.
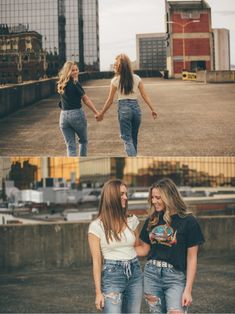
x=127, y=269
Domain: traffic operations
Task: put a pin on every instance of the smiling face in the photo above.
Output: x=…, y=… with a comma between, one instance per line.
x=74, y=72
x=116, y=66
x=157, y=200
x=123, y=191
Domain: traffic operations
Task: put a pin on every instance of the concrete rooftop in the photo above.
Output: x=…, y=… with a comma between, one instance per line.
x=72, y=290
x=195, y=119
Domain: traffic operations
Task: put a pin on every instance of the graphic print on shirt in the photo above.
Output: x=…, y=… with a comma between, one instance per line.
x=163, y=234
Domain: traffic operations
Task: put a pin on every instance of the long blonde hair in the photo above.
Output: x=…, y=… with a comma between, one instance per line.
x=64, y=76
x=171, y=198
x=111, y=212
x=124, y=69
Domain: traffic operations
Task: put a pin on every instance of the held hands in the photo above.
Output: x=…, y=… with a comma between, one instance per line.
x=99, y=301
x=99, y=117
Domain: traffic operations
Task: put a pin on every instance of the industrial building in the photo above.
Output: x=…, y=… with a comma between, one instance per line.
x=189, y=36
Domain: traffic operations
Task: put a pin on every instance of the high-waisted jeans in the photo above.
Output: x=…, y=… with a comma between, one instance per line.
x=72, y=123
x=129, y=116
x=165, y=287
x=122, y=286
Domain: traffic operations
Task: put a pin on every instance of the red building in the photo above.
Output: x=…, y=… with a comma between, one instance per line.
x=189, y=40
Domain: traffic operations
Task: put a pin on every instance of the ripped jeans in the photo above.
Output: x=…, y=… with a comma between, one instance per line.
x=163, y=288
x=122, y=286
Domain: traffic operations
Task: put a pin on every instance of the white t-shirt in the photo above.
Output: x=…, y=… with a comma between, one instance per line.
x=115, y=82
x=116, y=250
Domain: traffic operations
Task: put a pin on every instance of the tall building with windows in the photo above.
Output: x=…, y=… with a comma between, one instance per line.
x=68, y=27
x=151, y=51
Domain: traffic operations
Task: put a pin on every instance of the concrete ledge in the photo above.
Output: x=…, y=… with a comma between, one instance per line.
x=65, y=244
x=216, y=76
x=13, y=98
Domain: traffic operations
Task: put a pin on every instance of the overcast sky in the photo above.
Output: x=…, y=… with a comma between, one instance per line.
x=121, y=20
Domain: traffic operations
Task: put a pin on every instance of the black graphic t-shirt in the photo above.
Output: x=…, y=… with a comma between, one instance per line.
x=73, y=93
x=169, y=243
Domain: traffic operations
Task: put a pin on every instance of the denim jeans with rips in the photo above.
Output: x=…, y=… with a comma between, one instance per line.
x=129, y=116
x=74, y=123
x=163, y=288
x=122, y=286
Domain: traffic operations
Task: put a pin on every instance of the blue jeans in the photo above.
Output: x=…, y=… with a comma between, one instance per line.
x=122, y=286
x=72, y=123
x=129, y=116
x=163, y=288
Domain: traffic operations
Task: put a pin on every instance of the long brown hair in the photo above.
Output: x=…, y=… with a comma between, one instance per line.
x=124, y=69
x=64, y=76
x=171, y=198
x=111, y=213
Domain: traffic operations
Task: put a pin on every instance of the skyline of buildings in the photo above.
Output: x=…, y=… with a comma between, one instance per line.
x=140, y=171
x=151, y=19
x=70, y=27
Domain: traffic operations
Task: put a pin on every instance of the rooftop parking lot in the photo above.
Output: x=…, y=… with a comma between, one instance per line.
x=195, y=119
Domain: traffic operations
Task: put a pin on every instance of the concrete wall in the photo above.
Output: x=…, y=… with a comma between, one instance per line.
x=216, y=76
x=43, y=245
x=19, y=96
x=65, y=244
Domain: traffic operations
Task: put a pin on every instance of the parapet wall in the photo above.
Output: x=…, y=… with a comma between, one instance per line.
x=16, y=97
x=65, y=244
x=216, y=76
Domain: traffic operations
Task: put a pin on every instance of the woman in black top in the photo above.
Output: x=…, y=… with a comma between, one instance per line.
x=72, y=117
x=170, y=237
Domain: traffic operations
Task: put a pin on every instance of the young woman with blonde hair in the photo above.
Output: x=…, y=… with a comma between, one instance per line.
x=170, y=237
x=116, y=269
x=127, y=84
x=73, y=121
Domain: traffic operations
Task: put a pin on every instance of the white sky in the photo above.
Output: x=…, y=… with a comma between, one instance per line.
x=121, y=20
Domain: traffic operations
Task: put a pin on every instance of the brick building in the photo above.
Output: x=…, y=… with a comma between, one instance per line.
x=21, y=56
x=189, y=36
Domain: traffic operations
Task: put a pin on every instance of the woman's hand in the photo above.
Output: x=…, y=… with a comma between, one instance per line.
x=187, y=298
x=154, y=114
x=99, y=301
x=99, y=117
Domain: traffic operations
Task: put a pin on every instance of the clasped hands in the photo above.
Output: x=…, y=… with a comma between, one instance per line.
x=99, y=116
